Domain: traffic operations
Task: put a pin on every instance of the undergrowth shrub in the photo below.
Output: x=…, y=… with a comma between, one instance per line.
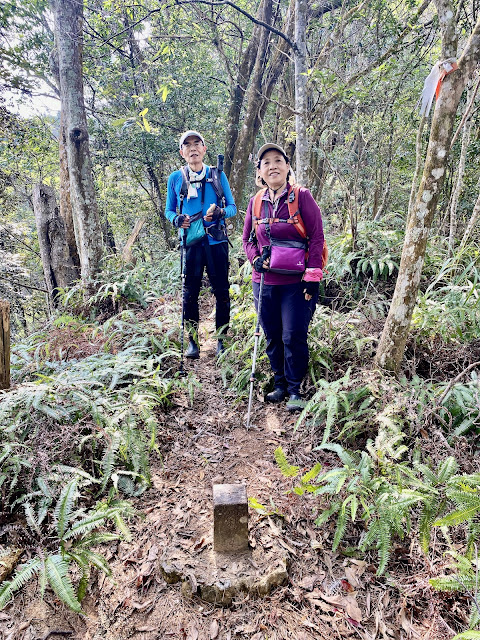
x=389, y=494
x=450, y=305
x=66, y=540
x=117, y=286
x=98, y=411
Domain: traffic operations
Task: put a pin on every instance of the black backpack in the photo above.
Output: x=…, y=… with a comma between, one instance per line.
x=215, y=179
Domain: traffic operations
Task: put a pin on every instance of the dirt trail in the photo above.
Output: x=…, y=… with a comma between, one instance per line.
x=327, y=595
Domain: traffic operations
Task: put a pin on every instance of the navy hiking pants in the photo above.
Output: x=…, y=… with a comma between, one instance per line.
x=213, y=257
x=285, y=316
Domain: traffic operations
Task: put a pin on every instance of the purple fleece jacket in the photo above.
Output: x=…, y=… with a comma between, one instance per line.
x=312, y=219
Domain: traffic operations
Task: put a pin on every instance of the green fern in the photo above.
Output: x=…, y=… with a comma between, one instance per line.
x=63, y=509
x=287, y=469
x=56, y=569
x=77, y=532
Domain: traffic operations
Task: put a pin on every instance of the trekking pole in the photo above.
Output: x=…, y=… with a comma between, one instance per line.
x=183, y=268
x=255, y=348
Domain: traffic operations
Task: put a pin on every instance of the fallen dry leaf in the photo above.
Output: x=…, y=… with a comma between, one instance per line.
x=407, y=625
x=308, y=582
x=349, y=603
x=141, y=605
x=214, y=629
x=192, y=633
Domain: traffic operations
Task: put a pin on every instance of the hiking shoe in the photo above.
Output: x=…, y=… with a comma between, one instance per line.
x=193, y=352
x=276, y=396
x=220, y=348
x=295, y=403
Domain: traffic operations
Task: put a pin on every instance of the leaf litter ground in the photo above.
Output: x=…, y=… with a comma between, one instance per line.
x=327, y=595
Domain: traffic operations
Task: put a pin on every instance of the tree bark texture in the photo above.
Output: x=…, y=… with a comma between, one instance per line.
x=69, y=41
x=4, y=344
x=300, y=53
x=64, y=198
x=257, y=99
x=58, y=267
x=238, y=92
x=394, y=336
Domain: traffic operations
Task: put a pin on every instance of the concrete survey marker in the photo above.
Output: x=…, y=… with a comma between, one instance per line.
x=224, y=567
x=230, y=518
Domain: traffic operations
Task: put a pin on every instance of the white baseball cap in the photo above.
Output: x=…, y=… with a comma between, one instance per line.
x=188, y=134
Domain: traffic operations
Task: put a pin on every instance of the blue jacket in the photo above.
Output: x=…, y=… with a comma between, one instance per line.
x=193, y=205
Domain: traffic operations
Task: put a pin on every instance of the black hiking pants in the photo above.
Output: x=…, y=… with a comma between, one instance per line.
x=213, y=257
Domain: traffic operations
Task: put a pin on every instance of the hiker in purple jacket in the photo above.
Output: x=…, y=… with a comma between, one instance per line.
x=289, y=297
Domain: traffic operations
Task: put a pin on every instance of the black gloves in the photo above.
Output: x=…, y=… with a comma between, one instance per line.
x=258, y=265
x=258, y=262
x=178, y=221
x=311, y=288
x=218, y=214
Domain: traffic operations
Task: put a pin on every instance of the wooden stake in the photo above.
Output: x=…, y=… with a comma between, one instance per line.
x=4, y=344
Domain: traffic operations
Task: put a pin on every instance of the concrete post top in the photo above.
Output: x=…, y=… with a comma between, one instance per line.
x=227, y=494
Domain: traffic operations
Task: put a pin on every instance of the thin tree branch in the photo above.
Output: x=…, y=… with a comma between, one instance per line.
x=20, y=284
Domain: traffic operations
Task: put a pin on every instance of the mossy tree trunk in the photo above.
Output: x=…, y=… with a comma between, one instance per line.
x=395, y=333
x=4, y=344
x=69, y=41
x=58, y=267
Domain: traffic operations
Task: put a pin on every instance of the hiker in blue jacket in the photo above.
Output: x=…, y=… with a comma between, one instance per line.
x=199, y=200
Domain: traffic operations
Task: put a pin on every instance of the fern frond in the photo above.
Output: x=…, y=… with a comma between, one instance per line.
x=468, y=635
x=98, y=561
x=427, y=516
x=325, y=515
x=23, y=574
x=63, y=508
x=312, y=474
x=453, y=583
x=341, y=524
x=30, y=515
x=85, y=525
x=383, y=545
x=447, y=469
x=121, y=525
x=57, y=573
x=288, y=470
x=457, y=517
x=94, y=539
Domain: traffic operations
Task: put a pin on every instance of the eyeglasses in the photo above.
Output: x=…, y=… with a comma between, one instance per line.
x=190, y=145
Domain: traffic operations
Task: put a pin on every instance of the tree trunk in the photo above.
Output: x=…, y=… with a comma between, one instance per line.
x=257, y=99
x=394, y=336
x=68, y=35
x=64, y=198
x=238, y=92
x=4, y=344
x=301, y=146
x=58, y=267
x=158, y=205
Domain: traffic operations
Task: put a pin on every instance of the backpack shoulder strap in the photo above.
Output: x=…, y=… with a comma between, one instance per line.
x=216, y=178
x=257, y=204
x=294, y=209
x=185, y=181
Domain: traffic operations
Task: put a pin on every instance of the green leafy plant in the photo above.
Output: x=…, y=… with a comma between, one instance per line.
x=464, y=579
x=377, y=488
x=340, y=402
x=69, y=540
